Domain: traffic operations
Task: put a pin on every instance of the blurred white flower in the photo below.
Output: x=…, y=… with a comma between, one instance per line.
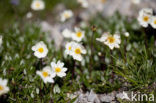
x=46, y=74
x=78, y=35
x=128, y=47
x=99, y=53
x=135, y=45
x=68, y=47
x=32, y=95
x=29, y=15
x=1, y=40
x=58, y=69
x=40, y=50
x=4, y=71
x=37, y=5
x=107, y=60
x=126, y=34
x=146, y=11
x=83, y=24
x=153, y=22
x=136, y=1
x=24, y=71
x=145, y=16
x=77, y=50
x=37, y=91
x=67, y=33
x=112, y=41
x=66, y=15
x=84, y=3
x=3, y=86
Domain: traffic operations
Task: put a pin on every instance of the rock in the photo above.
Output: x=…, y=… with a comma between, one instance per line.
x=107, y=97
x=92, y=97
x=87, y=97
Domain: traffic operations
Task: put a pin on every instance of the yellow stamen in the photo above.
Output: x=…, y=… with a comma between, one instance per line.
x=37, y=4
x=79, y=34
x=155, y=22
x=78, y=51
x=66, y=15
x=145, y=18
x=69, y=48
x=1, y=88
x=45, y=74
x=41, y=50
x=57, y=69
x=111, y=39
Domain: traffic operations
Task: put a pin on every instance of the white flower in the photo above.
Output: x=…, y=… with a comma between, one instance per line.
x=66, y=15
x=58, y=69
x=68, y=47
x=136, y=1
x=112, y=41
x=67, y=33
x=46, y=74
x=29, y=15
x=1, y=41
x=126, y=34
x=146, y=11
x=37, y=5
x=78, y=35
x=3, y=86
x=144, y=16
x=77, y=50
x=153, y=22
x=40, y=50
x=84, y=3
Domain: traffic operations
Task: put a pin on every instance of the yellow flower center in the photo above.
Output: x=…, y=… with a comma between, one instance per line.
x=79, y=34
x=38, y=4
x=103, y=1
x=66, y=15
x=155, y=22
x=1, y=88
x=111, y=39
x=45, y=74
x=41, y=50
x=57, y=69
x=78, y=51
x=69, y=48
x=145, y=18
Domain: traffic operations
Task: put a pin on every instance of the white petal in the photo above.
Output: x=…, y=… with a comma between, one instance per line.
x=64, y=69
x=53, y=64
x=53, y=74
x=61, y=74
x=60, y=64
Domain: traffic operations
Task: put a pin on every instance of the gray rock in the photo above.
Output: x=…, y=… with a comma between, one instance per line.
x=87, y=98
x=107, y=97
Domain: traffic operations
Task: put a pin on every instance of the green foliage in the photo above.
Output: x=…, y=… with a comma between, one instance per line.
x=19, y=66
x=103, y=70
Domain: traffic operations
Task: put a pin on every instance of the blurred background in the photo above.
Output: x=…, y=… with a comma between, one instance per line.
x=18, y=10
